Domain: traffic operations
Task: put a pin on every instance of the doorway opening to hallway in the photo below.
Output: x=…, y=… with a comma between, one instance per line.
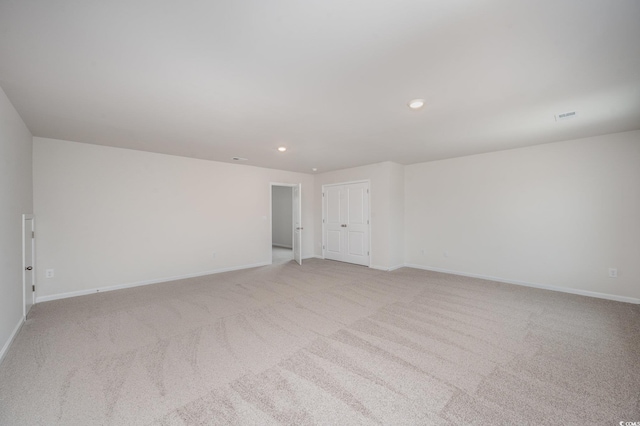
x=286, y=229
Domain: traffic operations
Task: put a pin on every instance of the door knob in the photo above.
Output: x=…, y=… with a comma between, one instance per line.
x=28, y=268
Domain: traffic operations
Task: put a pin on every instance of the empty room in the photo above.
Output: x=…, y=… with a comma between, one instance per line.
x=333, y=213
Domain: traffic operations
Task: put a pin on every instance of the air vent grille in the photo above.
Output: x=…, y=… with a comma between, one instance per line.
x=565, y=115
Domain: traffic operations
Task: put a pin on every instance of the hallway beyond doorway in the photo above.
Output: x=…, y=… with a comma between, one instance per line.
x=281, y=255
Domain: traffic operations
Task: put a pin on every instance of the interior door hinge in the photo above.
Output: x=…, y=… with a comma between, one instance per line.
x=323, y=194
x=367, y=221
x=367, y=253
x=33, y=234
x=367, y=191
x=322, y=220
x=322, y=247
x=33, y=288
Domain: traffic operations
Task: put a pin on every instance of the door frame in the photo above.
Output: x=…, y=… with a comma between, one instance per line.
x=293, y=222
x=25, y=218
x=368, y=182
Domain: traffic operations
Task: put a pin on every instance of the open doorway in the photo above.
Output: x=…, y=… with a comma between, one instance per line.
x=281, y=224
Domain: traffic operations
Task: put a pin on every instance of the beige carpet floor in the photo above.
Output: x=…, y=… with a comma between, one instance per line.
x=325, y=343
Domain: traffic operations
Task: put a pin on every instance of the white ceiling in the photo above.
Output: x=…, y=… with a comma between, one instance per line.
x=328, y=79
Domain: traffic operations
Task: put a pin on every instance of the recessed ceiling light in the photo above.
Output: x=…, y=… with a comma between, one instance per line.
x=416, y=104
x=282, y=148
x=239, y=159
x=314, y=169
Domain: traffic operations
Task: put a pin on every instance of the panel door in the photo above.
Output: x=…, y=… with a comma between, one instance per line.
x=356, y=231
x=29, y=271
x=297, y=223
x=334, y=212
x=346, y=223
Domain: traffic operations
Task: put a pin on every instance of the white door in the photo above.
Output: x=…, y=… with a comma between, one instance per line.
x=334, y=222
x=346, y=222
x=297, y=223
x=357, y=224
x=28, y=270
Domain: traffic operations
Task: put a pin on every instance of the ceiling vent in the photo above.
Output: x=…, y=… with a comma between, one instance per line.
x=565, y=115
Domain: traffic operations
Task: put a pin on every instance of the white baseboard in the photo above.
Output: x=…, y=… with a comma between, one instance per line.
x=146, y=282
x=386, y=268
x=528, y=284
x=379, y=268
x=281, y=245
x=8, y=343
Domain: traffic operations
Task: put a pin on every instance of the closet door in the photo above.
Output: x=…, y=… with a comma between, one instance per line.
x=346, y=222
x=356, y=230
x=334, y=212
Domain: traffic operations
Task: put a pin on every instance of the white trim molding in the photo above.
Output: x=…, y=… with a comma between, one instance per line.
x=393, y=268
x=534, y=285
x=146, y=282
x=386, y=268
x=8, y=343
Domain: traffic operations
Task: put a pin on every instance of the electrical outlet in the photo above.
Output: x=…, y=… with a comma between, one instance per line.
x=49, y=273
x=613, y=272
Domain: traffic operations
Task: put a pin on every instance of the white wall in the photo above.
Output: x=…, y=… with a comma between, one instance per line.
x=282, y=226
x=16, y=198
x=110, y=216
x=386, y=198
x=558, y=214
x=396, y=215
